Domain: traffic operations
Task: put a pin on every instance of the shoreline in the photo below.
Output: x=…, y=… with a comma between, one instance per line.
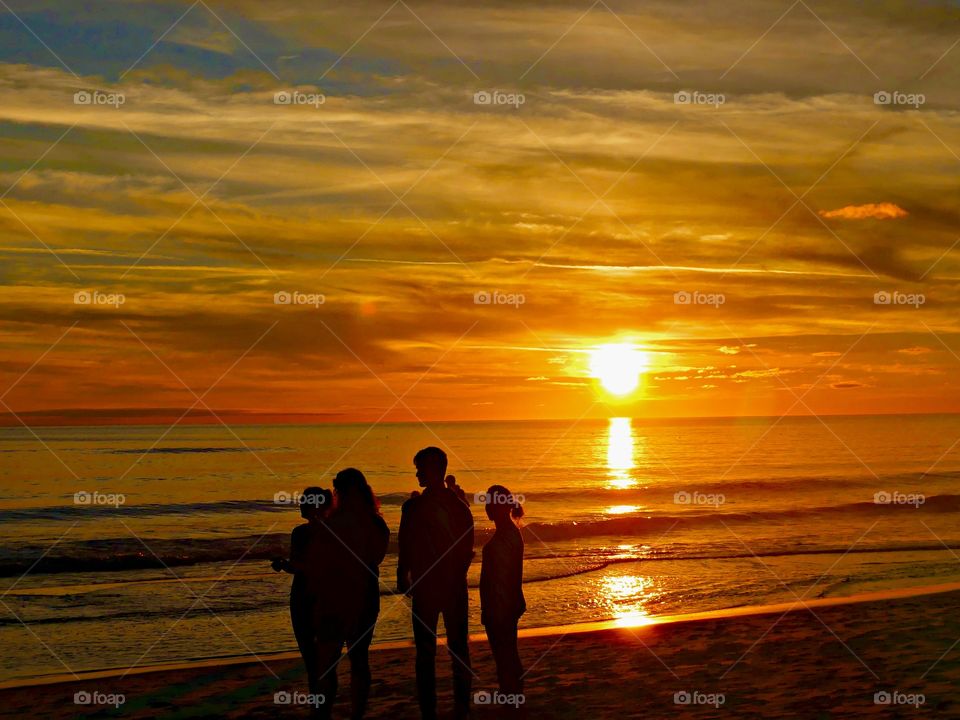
x=548, y=631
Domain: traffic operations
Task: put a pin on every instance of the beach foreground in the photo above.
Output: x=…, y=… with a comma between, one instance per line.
x=817, y=661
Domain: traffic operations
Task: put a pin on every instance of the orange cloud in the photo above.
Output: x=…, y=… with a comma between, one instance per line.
x=870, y=211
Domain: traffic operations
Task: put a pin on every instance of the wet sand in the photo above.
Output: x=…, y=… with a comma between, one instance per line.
x=826, y=658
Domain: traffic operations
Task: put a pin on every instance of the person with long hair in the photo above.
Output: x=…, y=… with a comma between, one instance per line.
x=348, y=589
x=501, y=587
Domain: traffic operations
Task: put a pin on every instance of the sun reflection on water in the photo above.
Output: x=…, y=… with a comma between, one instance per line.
x=620, y=453
x=627, y=596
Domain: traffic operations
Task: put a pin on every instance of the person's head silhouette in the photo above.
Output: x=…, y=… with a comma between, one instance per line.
x=315, y=503
x=353, y=490
x=502, y=505
x=431, y=463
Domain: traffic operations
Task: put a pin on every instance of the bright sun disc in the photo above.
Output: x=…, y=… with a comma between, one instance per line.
x=618, y=367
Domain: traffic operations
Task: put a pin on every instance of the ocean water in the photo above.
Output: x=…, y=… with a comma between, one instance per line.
x=131, y=546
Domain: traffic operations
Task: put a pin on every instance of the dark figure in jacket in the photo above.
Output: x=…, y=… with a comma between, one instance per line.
x=436, y=548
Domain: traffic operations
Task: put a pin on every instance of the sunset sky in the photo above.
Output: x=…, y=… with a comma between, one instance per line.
x=775, y=181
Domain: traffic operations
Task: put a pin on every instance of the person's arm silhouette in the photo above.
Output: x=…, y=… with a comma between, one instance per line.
x=298, y=542
x=404, y=543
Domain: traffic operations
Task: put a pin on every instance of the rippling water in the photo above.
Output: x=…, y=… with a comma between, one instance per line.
x=133, y=546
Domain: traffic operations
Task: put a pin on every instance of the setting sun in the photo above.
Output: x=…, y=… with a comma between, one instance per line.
x=618, y=367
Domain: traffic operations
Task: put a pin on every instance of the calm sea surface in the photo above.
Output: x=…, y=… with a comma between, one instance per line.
x=124, y=546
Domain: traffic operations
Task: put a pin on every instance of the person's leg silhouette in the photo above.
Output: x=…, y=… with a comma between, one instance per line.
x=425, y=619
x=503, y=645
x=301, y=616
x=458, y=645
x=330, y=639
x=360, y=678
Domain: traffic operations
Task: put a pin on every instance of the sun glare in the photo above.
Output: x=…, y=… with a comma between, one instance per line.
x=618, y=367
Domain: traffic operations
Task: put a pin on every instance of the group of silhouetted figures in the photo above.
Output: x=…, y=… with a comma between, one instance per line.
x=335, y=597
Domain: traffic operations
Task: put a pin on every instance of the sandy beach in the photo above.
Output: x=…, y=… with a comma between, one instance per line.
x=827, y=659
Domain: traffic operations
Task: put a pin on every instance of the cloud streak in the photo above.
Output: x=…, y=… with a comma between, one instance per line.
x=399, y=198
x=868, y=211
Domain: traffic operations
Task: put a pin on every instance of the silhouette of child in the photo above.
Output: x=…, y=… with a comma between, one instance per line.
x=315, y=504
x=501, y=587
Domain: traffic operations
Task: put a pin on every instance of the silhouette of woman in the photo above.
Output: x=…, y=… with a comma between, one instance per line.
x=315, y=504
x=501, y=587
x=348, y=588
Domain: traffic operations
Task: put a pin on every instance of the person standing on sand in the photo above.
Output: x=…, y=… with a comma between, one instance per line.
x=436, y=549
x=501, y=587
x=315, y=504
x=347, y=588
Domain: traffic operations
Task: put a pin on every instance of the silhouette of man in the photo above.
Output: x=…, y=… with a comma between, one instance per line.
x=436, y=548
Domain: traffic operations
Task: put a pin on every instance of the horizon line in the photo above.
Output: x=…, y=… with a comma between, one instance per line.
x=244, y=417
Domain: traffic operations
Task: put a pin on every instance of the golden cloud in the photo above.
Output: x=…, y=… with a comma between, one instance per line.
x=870, y=211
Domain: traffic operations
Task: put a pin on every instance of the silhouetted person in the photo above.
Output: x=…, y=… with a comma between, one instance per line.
x=315, y=504
x=501, y=587
x=436, y=548
x=348, y=587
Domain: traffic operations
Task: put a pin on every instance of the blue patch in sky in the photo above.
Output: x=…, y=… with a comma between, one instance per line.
x=109, y=39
